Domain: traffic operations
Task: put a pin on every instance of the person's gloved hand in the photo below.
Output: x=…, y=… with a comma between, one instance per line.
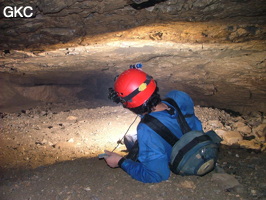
x=112, y=159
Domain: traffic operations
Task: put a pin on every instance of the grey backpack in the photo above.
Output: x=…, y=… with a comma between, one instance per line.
x=195, y=153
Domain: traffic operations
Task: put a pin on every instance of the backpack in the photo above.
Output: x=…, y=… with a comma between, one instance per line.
x=195, y=153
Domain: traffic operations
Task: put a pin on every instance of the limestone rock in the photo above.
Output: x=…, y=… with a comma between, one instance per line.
x=54, y=6
x=229, y=137
x=187, y=184
x=244, y=129
x=260, y=130
x=250, y=144
x=71, y=118
x=215, y=124
x=203, y=51
x=64, y=145
x=225, y=180
x=239, y=123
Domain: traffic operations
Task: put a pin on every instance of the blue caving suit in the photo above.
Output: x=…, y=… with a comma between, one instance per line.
x=154, y=151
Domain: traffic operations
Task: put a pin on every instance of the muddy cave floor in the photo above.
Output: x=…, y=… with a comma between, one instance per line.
x=49, y=151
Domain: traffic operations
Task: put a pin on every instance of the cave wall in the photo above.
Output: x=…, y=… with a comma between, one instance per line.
x=223, y=76
x=63, y=21
x=213, y=50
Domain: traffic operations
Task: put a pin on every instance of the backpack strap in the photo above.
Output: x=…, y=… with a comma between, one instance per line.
x=160, y=129
x=180, y=118
x=133, y=152
x=186, y=148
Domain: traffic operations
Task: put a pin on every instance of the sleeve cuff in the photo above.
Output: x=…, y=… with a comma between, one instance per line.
x=121, y=161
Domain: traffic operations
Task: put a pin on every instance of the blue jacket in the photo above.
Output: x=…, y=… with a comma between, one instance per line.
x=154, y=151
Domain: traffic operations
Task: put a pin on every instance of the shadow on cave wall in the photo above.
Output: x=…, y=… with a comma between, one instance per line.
x=69, y=88
x=89, y=89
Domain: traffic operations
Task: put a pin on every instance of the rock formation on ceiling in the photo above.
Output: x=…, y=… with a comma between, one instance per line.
x=214, y=50
x=62, y=21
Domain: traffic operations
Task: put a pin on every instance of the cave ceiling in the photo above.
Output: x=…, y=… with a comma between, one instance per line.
x=214, y=50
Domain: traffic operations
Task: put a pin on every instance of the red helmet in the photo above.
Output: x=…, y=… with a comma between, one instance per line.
x=134, y=87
